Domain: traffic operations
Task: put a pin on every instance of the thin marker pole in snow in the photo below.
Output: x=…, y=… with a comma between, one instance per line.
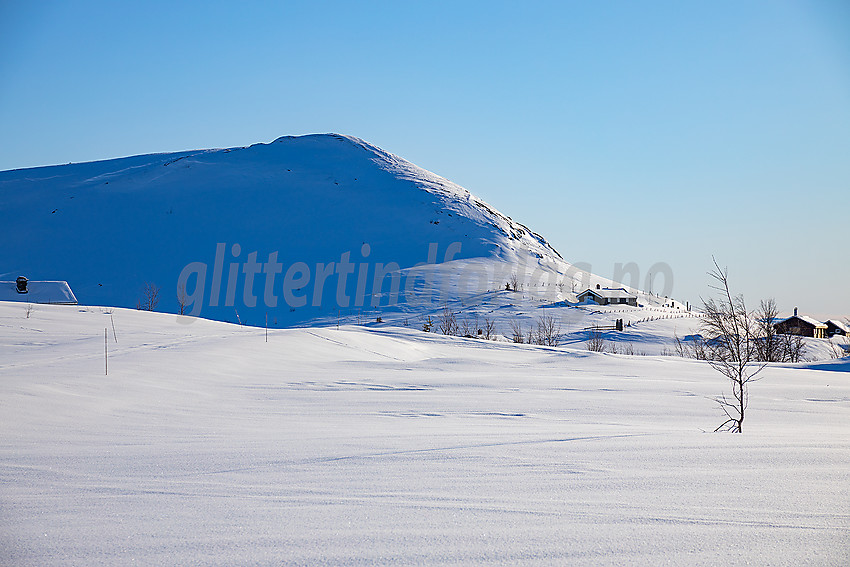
x=267, y=327
x=114, y=334
x=105, y=351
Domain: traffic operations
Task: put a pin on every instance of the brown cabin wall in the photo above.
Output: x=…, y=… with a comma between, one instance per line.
x=795, y=327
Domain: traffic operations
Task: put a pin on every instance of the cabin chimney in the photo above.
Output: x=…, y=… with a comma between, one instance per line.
x=795, y=312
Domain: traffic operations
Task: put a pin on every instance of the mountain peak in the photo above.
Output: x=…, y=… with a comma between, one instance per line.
x=318, y=201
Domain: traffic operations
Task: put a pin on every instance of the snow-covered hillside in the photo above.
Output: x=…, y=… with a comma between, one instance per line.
x=208, y=445
x=300, y=228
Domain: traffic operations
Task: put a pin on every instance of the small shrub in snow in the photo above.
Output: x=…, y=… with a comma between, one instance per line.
x=447, y=322
x=468, y=328
x=596, y=341
x=150, y=297
x=548, y=331
x=488, y=329
x=182, y=300
x=517, y=333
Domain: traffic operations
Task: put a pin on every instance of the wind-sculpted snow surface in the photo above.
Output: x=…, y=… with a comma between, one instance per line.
x=208, y=445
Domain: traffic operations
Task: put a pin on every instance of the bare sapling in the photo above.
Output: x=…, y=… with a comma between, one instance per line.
x=733, y=348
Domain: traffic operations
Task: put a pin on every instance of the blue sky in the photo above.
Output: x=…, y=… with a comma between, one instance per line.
x=622, y=131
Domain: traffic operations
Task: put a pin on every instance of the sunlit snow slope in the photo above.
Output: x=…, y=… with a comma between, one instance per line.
x=294, y=229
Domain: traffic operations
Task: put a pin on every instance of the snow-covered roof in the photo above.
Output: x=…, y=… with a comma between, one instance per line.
x=805, y=318
x=609, y=293
x=39, y=292
x=838, y=324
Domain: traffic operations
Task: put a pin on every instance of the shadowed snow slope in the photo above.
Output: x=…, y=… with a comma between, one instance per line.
x=272, y=228
x=207, y=445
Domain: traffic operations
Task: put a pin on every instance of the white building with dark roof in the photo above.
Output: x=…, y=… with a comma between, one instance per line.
x=608, y=296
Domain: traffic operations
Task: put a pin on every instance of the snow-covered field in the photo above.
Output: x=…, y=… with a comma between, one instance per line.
x=207, y=445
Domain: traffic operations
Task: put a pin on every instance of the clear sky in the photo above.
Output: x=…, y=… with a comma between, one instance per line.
x=622, y=131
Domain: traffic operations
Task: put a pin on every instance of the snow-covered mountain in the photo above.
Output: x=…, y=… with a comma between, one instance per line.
x=298, y=228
